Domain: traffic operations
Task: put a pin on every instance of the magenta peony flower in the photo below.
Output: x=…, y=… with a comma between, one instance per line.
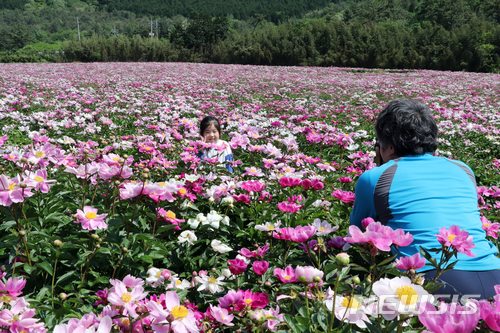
x=260, y=267
x=366, y=221
x=253, y=186
x=346, y=197
x=288, y=207
x=289, y=182
x=245, y=198
x=237, y=266
x=458, y=239
x=243, y=299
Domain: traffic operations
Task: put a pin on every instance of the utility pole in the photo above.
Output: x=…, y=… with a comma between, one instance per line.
x=78, y=27
x=151, y=34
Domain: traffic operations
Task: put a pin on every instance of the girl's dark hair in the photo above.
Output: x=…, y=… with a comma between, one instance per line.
x=408, y=125
x=207, y=121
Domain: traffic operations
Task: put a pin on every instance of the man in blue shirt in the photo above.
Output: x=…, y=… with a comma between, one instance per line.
x=421, y=193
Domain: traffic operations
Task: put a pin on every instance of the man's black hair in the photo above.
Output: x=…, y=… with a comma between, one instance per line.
x=408, y=125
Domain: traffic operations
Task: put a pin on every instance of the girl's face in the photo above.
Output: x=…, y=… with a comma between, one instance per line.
x=211, y=134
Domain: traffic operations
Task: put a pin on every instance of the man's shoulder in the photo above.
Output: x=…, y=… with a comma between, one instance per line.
x=369, y=178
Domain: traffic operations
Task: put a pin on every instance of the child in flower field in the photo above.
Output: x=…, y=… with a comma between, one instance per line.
x=431, y=197
x=218, y=150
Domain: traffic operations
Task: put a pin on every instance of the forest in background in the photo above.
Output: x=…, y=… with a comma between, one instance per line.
x=402, y=34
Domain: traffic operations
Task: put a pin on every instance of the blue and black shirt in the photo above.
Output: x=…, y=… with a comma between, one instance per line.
x=421, y=194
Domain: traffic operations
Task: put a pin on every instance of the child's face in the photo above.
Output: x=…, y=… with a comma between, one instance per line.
x=211, y=134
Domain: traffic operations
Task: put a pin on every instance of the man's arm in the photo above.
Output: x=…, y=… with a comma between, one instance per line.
x=363, y=204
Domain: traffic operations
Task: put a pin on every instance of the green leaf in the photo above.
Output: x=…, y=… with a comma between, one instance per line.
x=7, y=225
x=65, y=276
x=386, y=261
x=46, y=267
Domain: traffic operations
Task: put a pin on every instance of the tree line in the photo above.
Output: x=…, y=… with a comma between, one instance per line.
x=433, y=34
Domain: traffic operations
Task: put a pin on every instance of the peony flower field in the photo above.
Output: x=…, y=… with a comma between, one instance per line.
x=110, y=222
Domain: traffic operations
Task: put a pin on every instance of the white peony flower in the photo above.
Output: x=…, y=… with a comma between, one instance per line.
x=154, y=277
x=193, y=223
x=187, y=236
x=268, y=226
x=399, y=296
x=210, y=283
x=323, y=227
x=220, y=247
x=350, y=309
x=214, y=218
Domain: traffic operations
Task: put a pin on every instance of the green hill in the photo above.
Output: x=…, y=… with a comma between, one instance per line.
x=435, y=34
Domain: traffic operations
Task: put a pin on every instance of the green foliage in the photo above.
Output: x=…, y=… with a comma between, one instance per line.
x=443, y=34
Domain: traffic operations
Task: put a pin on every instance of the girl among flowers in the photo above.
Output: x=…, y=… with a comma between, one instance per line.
x=216, y=150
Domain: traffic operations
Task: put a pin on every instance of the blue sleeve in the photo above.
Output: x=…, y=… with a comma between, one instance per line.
x=229, y=158
x=363, y=204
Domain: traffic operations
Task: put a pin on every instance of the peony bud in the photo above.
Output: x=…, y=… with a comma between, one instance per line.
x=342, y=259
x=58, y=243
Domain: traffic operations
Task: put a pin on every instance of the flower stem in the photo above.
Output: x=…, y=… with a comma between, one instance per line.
x=54, y=278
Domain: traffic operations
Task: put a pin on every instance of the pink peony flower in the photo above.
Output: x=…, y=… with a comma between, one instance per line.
x=379, y=236
x=172, y=317
x=170, y=217
x=11, y=191
x=286, y=275
x=413, y=262
x=314, y=184
x=308, y=274
x=221, y=315
x=126, y=298
x=258, y=253
x=20, y=318
x=490, y=313
x=449, y=318
x=39, y=181
x=458, y=239
x=90, y=220
x=131, y=189
x=252, y=300
x=11, y=289
x=298, y=234
x=492, y=229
